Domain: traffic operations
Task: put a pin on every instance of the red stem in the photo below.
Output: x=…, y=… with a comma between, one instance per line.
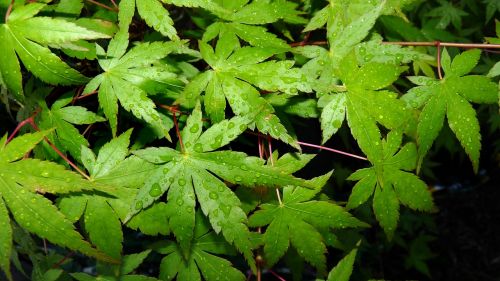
x=31, y=120
x=178, y=132
x=9, y=10
x=438, y=58
x=103, y=6
x=276, y=275
x=332, y=150
x=65, y=258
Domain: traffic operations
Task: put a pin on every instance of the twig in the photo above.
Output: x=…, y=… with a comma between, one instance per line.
x=31, y=120
x=103, y=6
x=417, y=44
x=270, y=147
x=438, y=58
x=178, y=132
x=114, y=4
x=332, y=150
x=9, y=10
x=61, y=261
x=276, y=275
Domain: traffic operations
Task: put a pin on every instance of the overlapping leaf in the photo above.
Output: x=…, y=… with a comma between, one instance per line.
x=125, y=77
x=63, y=118
x=27, y=37
x=451, y=97
x=102, y=214
x=20, y=183
x=190, y=173
x=392, y=183
x=365, y=104
x=235, y=74
x=202, y=259
x=297, y=221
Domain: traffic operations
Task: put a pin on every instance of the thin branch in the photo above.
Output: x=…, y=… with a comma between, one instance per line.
x=276, y=275
x=446, y=44
x=9, y=10
x=114, y=4
x=438, y=58
x=103, y=5
x=270, y=147
x=61, y=261
x=178, y=132
x=332, y=150
x=31, y=120
x=23, y=123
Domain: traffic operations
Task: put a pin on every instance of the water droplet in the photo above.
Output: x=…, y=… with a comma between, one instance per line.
x=155, y=190
x=198, y=147
x=181, y=182
x=180, y=202
x=45, y=174
x=138, y=205
x=195, y=128
x=165, y=171
x=238, y=178
x=213, y=195
x=230, y=125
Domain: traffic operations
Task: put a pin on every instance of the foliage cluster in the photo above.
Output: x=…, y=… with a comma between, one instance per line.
x=145, y=115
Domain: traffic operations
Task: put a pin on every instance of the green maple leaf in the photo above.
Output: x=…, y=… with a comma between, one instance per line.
x=190, y=174
x=240, y=19
x=20, y=183
x=364, y=103
x=343, y=270
x=235, y=74
x=447, y=13
x=392, y=183
x=297, y=221
x=202, y=259
x=27, y=37
x=126, y=79
x=451, y=97
x=102, y=214
x=63, y=118
x=343, y=35
x=153, y=13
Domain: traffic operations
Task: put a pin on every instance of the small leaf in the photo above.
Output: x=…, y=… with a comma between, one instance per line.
x=343, y=270
x=386, y=209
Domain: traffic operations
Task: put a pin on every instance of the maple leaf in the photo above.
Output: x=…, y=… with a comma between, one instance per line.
x=235, y=74
x=62, y=117
x=153, y=13
x=296, y=221
x=125, y=76
x=392, y=183
x=343, y=270
x=364, y=103
x=202, y=257
x=102, y=214
x=20, y=183
x=27, y=37
x=451, y=97
x=447, y=13
x=190, y=174
x=240, y=19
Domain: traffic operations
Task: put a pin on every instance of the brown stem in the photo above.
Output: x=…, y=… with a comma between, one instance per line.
x=103, y=6
x=114, y=4
x=438, y=58
x=61, y=261
x=178, y=132
x=332, y=150
x=9, y=10
x=276, y=275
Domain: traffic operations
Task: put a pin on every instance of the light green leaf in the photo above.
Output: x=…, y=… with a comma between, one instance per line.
x=411, y=191
x=464, y=62
x=157, y=17
x=104, y=227
x=333, y=116
x=343, y=270
x=386, y=209
x=430, y=123
x=463, y=122
x=5, y=240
